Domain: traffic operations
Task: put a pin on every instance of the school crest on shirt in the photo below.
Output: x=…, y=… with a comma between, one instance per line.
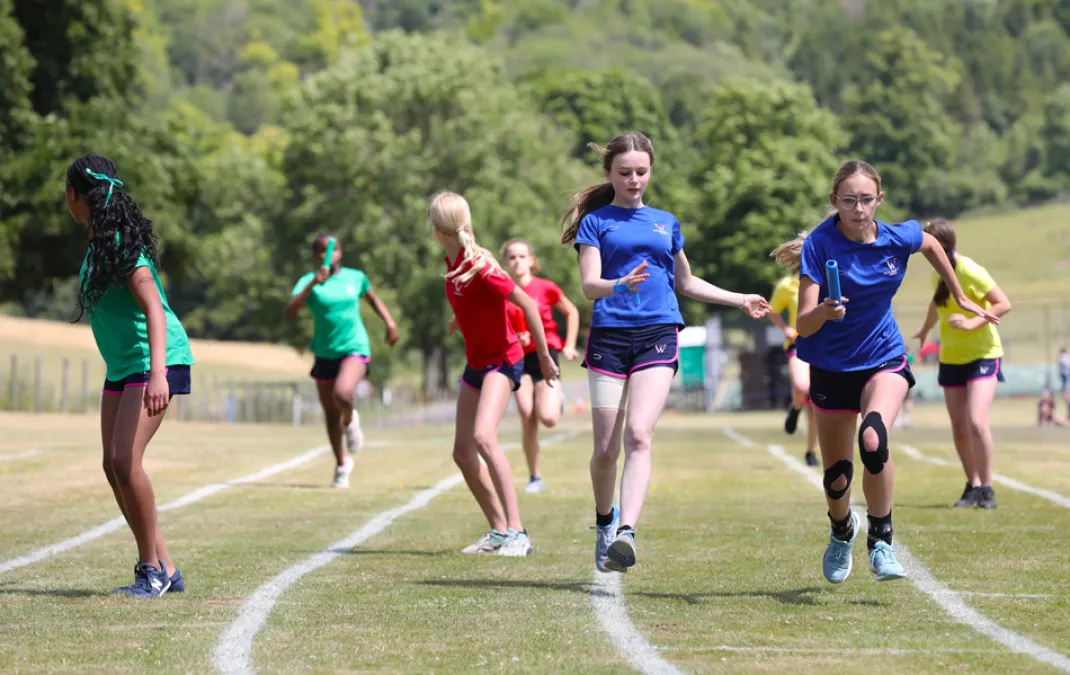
x=351, y=289
x=457, y=288
x=891, y=267
x=660, y=229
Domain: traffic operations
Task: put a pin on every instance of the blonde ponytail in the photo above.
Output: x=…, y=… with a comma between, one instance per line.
x=451, y=216
x=789, y=254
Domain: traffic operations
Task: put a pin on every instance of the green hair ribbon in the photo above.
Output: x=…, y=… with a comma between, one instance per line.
x=112, y=183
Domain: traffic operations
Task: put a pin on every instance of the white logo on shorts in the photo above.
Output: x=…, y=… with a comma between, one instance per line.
x=596, y=357
x=660, y=348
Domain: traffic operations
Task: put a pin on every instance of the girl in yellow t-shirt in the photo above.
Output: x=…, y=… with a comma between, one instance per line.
x=971, y=357
x=785, y=298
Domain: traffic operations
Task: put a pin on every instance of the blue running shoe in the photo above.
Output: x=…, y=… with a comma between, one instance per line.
x=882, y=562
x=837, y=562
x=178, y=584
x=622, y=551
x=604, y=537
x=149, y=582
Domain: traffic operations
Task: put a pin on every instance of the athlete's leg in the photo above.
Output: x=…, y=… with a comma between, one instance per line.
x=466, y=456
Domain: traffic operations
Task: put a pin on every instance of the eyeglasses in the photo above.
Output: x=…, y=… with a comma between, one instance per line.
x=850, y=201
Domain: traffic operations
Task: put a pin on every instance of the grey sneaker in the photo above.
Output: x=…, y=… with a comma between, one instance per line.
x=621, y=552
x=489, y=542
x=604, y=536
x=516, y=545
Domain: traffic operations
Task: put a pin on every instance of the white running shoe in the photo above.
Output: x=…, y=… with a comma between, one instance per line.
x=354, y=435
x=490, y=542
x=534, y=486
x=517, y=545
x=341, y=474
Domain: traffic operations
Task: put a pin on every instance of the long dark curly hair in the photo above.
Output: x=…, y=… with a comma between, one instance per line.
x=120, y=231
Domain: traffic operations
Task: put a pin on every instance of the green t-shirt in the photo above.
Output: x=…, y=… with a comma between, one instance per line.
x=122, y=332
x=338, y=330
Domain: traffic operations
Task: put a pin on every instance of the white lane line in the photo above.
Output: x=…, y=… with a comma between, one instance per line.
x=19, y=455
x=185, y=500
x=607, y=599
x=234, y=651
x=1052, y=497
x=943, y=596
x=738, y=437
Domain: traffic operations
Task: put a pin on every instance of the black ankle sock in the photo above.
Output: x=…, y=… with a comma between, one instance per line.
x=880, y=529
x=626, y=528
x=842, y=529
x=603, y=521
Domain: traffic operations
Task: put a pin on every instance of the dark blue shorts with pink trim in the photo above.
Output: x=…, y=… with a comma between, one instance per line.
x=957, y=376
x=832, y=391
x=473, y=379
x=326, y=370
x=622, y=351
x=178, y=381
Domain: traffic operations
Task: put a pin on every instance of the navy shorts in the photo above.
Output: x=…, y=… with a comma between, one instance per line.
x=622, y=351
x=178, y=381
x=835, y=392
x=326, y=370
x=473, y=379
x=954, y=376
x=531, y=364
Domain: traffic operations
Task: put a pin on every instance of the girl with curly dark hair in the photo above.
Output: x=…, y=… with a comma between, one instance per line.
x=143, y=345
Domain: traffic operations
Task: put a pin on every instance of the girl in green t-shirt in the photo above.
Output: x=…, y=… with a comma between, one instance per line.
x=340, y=344
x=143, y=345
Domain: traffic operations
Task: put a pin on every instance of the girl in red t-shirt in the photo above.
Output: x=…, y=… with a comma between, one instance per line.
x=536, y=400
x=478, y=290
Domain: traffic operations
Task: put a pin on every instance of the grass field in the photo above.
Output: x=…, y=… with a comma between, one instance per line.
x=728, y=580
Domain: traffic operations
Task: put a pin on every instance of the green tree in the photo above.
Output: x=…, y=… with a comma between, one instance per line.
x=82, y=49
x=595, y=106
x=377, y=133
x=767, y=156
x=16, y=64
x=896, y=114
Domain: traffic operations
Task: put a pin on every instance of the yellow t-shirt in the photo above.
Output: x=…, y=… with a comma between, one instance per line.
x=958, y=347
x=786, y=297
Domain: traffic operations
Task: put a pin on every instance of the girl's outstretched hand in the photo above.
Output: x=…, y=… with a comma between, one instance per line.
x=634, y=278
x=755, y=306
x=972, y=307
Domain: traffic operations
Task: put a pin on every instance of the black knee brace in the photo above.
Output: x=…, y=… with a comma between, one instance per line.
x=833, y=473
x=875, y=460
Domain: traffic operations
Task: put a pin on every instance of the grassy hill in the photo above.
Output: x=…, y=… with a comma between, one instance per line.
x=1028, y=253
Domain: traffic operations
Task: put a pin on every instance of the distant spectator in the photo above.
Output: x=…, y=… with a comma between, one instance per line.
x=1064, y=368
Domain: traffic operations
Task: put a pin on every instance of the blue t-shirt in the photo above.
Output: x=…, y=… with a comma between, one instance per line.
x=870, y=275
x=625, y=238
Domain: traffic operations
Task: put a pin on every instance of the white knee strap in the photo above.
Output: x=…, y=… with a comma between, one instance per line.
x=606, y=391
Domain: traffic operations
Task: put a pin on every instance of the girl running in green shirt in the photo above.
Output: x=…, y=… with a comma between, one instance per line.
x=143, y=345
x=339, y=343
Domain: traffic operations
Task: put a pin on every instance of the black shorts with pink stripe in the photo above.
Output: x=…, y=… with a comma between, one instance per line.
x=326, y=370
x=622, y=351
x=832, y=391
x=957, y=376
x=178, y=381
x=473, y=379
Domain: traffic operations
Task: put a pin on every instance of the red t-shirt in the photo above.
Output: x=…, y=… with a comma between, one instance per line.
x=479, y=306
x=546, y=294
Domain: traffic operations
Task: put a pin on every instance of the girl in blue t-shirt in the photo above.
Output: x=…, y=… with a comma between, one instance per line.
x=632, y=264
x=858, y=362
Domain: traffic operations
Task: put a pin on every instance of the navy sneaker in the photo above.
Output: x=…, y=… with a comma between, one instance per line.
x=149, y=582
x=178, y=584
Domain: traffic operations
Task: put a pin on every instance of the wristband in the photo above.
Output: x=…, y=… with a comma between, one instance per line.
x=618, y=287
